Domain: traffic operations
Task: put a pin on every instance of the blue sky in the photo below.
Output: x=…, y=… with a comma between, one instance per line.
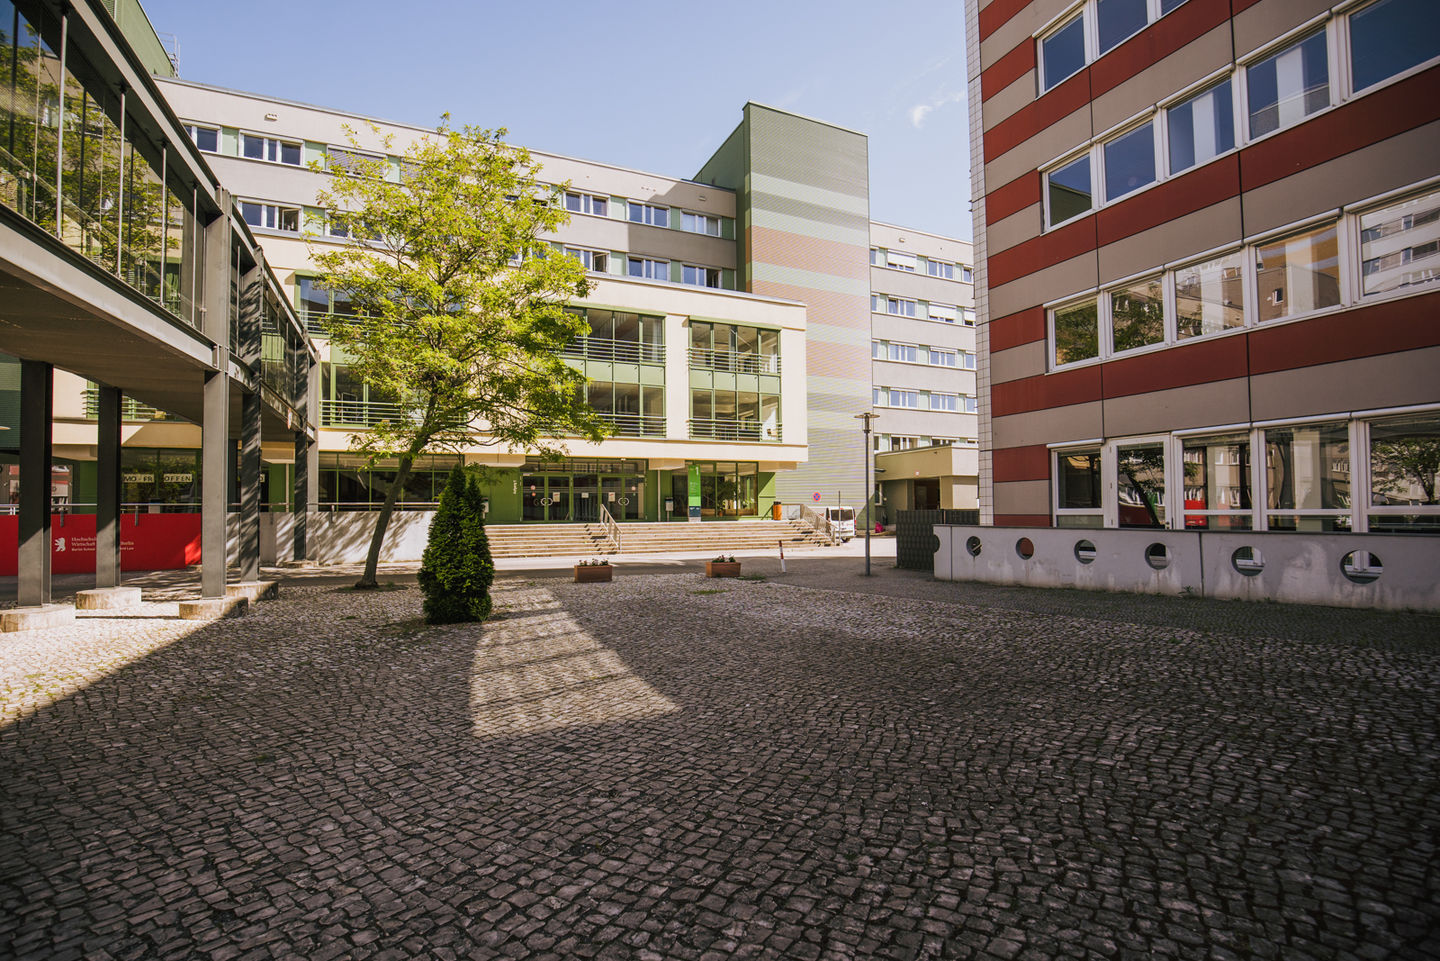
x=651, y=85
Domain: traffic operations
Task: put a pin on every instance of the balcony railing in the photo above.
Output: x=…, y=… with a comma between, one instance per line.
x=734, y=361
x=355, y=413
x=636, y=425
x=130, y=408
x=614, y=351
x=728, y=428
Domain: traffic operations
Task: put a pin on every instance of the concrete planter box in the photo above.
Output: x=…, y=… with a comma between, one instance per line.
x=722, y=568
x=593, y=573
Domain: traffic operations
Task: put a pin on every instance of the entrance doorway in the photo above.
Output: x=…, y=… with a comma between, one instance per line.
x=572, y=491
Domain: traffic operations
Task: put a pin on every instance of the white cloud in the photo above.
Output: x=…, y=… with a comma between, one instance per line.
x=921, y=111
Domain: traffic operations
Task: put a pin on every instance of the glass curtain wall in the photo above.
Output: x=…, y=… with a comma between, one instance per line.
x=72, y=160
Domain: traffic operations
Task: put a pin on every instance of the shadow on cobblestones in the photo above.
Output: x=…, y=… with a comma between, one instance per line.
x=643, y=770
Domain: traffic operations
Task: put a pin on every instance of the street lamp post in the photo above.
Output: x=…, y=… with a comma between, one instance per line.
x=866, y=419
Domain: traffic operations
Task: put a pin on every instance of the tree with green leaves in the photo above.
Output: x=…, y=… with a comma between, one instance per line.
x=458, y=314
x=457, y=570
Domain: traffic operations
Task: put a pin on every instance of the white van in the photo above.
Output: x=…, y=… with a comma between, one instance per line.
x=842, y=521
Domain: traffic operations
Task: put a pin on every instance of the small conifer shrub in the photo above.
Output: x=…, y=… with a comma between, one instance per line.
x=456, y=571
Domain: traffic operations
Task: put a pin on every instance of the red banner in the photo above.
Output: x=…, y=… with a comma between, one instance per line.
x=148, y=542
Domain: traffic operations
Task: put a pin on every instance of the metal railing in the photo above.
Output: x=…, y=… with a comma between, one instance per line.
x=730, y=428
x=615, y=351
x=636, y=425
x=130, y=408
x=739, y=362
x=356, y=413
x=817, y=522
x=612, y=529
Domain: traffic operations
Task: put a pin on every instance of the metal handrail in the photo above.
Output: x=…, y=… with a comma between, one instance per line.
x=612, y=529
x=618, y=351
x=635, y=425
x=740, y=362
x=817, y=522
x=733, y=428
x=361, y=413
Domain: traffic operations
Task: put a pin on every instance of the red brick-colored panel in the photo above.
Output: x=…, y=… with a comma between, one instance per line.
x=1054, y=106
x=1009, y=68
x=1201, y=362
x=1156, y=42
x=1385, y=328
x=1196, y=190
x=1399, y=107
x=1239, y=5
x=1046, y=250
x=786, y=249
x=1013, y=330
x=994, y=17
x=1022, y=520
x=1015, y=196
x=1044, y=391
x=1022, y=463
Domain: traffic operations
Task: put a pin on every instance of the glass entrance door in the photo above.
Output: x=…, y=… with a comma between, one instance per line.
x=546, y=497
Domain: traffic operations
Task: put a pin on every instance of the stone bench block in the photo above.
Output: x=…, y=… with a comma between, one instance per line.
x=35, y=618
x=107, y=598
x=254, y=591
x=214, y=608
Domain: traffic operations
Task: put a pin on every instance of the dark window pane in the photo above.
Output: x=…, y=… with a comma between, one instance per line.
x=1070, y=191
x=1063, y=52
x=207, y=139
x=1078, y=482
x=1118, y=19
x=251, y=212
x=253, y=147
x=1392, y=36
x=290, y=153
x=1167, y=5
x=1077, y=333
x=1129, y=162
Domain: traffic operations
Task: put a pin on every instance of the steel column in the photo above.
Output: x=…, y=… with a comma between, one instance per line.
x=250, y=487
x=37, y=396
x=107, y=491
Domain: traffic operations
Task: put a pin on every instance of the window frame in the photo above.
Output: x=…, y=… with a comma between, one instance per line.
x=1345, y=12
x=1323, y=24
x=649, y=210
x=1355, y=232
x=660, y=266
x=696, y=216
x=587, y=203
x=698, y=269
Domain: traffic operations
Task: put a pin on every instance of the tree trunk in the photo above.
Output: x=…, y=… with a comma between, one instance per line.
x=372, y=560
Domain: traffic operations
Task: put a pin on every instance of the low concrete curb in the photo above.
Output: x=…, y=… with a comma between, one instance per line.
x=254, y=591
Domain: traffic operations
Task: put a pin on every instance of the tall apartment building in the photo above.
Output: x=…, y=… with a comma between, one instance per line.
x=1208, y=263
x=922, y=352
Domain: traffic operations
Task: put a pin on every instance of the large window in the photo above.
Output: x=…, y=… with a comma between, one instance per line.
x=1140, y=484
x=1405, y=473
x=700, y=276
x=1391, y=36
x=1118, y=20
x=1201, y=128
x=1217, y=482
x=649, y=214
x=700, y=224
x=1078, y=488
x=903, y=353
x=578, y=203
x=940, y=401
x=207, y=139
x=1298, y=274
x=1062, y=52
x=1137, y=315
x=270, y=216
x=1129, y=162
x=1210, y=296
x=271, y=149
x=941, y=312
x=1076, y=333
x=1068, y=191
x=595, y=261
x=1307, y=471
x=939, y=268
x=1400, y=245
x=898, y=306
x=1288, y=85
x=730, y=347
x=648, y=269
x=940, y=357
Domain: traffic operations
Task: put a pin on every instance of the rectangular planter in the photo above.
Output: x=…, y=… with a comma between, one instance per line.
x=722, y=569
x=593, y=573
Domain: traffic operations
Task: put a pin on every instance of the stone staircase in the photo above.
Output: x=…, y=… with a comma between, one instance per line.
x=589, y=540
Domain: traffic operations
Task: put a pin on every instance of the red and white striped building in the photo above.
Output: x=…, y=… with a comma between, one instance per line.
x=1208, y=263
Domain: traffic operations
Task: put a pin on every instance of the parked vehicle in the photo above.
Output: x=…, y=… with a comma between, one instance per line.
x=842, y=521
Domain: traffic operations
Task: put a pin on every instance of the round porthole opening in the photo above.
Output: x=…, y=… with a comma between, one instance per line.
x=1247, y=560
x=972, y=545
x=1085, y=551
x=1025, y=548
x=1157, y=555
x=1361, y=567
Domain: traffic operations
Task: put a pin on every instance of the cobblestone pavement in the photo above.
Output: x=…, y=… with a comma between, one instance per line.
x=670, y=767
